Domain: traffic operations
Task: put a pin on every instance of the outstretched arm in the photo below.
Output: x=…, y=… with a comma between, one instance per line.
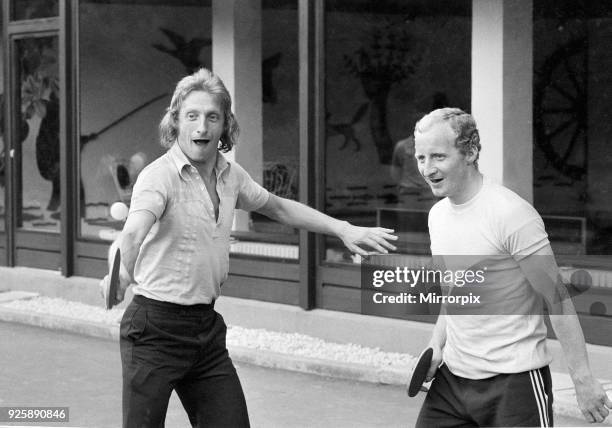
x=298, y=215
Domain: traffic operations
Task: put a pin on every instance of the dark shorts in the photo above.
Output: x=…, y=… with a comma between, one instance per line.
x=166, y=347
x=517, y=399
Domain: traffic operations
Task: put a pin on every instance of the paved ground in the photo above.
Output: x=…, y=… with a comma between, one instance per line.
x=41, y=367
x=48, y=368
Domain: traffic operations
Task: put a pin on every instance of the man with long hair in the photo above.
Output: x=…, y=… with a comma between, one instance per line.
x=175, y=248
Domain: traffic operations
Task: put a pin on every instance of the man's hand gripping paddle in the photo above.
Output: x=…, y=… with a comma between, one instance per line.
x=113, y=284
x=415, y=384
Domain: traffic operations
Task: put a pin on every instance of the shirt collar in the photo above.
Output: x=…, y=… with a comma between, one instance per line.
x=181, y=161
x=221, y=165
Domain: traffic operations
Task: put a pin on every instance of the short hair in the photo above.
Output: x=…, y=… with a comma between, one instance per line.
x=462, y=124
x=207, y=81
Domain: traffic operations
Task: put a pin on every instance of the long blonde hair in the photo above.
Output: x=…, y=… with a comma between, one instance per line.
x=207, y=81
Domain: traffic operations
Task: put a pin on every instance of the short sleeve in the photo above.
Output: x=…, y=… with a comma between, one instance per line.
x=150, y=192
x=525, y=232
x=251, y=196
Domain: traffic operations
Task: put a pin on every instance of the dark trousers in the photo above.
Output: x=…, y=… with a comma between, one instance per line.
x=166, y=347
x=506, y=400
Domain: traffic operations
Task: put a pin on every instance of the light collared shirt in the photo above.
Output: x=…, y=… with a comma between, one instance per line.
x=184, y=259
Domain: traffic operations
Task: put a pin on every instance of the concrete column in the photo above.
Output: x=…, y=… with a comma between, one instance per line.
x=502, y=98
x=236, y=58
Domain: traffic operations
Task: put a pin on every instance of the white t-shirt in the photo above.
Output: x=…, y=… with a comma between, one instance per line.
x=495, y=228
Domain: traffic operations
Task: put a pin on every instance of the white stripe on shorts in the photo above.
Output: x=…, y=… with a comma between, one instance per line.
x=539, y=372
x=541, y=396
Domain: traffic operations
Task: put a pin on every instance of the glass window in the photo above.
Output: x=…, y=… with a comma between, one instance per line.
x=572, y=124
x=33, y=9
x=37, y=157
x=2, y=180
x=129, y=67
x=387, y=65
x=3, y=154
x=280, y=74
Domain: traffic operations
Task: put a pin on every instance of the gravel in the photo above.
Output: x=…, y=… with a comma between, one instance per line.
x=67, y=309
x=260, y=339
x=308, y=346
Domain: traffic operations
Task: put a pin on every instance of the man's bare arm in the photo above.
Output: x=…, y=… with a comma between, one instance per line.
x=136, y=228
x=542, y=272
x=298, y=215
x=437, y=342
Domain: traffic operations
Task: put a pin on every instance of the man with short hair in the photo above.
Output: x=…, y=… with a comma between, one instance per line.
x=175, y=247
x=495, y=360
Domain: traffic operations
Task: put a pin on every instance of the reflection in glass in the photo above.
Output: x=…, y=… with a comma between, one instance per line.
x=572, y=102
x=37, y=156
x=2, y=168
x=387, y=64
x=3, y=156
x=33, y=9
x=279, y=69
x=128, y=70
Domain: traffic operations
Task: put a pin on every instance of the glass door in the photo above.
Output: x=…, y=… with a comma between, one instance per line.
x=34, y=149
x=3, y=167
x=36, y=143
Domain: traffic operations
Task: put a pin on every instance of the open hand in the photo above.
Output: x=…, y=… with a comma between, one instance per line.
x=593, y=400
x=376, y=238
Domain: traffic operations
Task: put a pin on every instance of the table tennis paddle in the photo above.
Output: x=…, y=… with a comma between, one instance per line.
x=419, y=373
x=113, y=284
